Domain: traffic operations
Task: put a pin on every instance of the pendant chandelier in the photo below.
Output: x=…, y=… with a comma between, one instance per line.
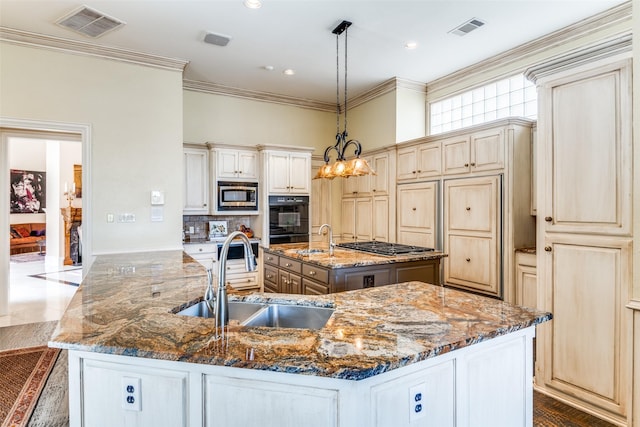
x=342, y=167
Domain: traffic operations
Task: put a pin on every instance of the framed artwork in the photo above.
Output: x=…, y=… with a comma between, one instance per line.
x=28, y=191
x=77, y=179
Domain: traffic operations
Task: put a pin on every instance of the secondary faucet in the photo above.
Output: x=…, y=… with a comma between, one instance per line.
x=332, y=244
x=222, y=303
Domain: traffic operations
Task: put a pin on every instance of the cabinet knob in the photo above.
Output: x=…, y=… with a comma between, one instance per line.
x=468, y=259
x=374, y=190
x=205, y=205
x=269, y=276
x=548, y=218
x=288, y=264
x=355, y=192
x=228, y=268
x=466, y=165
x=413, y=172
x=473, y=164
x=249, y=279
x=312, y=273
x=200, y=249
x=419, y=171
x=413, y=209
x=547, y=248
x=468, y=208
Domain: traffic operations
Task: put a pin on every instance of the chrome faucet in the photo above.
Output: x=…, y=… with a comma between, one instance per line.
x=222, y=303
x=332, y=244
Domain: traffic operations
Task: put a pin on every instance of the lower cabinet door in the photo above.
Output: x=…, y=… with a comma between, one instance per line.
x=272, y=404
x=157, y=397
x=473, y=263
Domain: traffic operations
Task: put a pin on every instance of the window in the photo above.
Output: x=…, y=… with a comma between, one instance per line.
x=513, y=96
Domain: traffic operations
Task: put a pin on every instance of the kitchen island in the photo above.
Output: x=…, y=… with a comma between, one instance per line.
x=309, y=268
x=388, y=356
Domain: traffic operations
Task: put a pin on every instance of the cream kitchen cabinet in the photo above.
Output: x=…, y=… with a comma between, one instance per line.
x=501, y=148
x=477, y=152
x=417, y=162
x=368, y=202
x=585, y=241
x=471, y=233
x=289, y=173
x=417, y=214
x=526, y=279
x=237, y=165
x=196, y=180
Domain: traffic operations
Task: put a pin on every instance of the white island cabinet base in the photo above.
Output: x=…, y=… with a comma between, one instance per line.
x=484, y=384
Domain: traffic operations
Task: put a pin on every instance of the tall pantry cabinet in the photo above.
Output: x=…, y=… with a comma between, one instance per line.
x=584, y=248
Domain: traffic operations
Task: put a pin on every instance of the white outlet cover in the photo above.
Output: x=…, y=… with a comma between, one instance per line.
x=131, y=395
x=417, y=402
x=157, y=197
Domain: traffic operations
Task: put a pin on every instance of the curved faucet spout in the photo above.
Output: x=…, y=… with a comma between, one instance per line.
x=332, y=244
x=222, y=303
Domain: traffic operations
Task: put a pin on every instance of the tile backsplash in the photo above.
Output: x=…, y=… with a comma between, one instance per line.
x=200, y=224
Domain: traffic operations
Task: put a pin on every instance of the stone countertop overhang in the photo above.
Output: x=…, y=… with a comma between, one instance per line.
x=345, y=258
x=126, y=306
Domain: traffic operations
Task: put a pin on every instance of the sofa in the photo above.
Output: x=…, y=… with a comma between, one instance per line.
x=25, y=237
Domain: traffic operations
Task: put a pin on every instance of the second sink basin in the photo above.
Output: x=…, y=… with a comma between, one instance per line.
x=290, y=316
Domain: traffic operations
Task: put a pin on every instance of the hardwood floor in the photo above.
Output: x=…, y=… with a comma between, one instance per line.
x=548, y=412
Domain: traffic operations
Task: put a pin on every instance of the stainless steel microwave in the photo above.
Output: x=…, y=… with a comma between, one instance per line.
x=237, y=196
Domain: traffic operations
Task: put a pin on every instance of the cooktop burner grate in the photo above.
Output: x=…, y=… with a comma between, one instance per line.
x=384, y=248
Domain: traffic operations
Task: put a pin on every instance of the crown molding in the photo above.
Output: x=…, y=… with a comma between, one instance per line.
x=26, y=38
x=218, y=89
x=602, y=21
x=612, y=47
x=387, y=86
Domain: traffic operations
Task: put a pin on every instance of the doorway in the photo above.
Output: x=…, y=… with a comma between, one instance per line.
x=55, y=135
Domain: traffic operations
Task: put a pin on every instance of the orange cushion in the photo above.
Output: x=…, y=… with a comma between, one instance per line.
x=23, y=231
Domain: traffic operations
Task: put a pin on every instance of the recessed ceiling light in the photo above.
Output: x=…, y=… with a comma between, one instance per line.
x=253, y=4
x=289, y=72
x=268, y=67
x=410, y=45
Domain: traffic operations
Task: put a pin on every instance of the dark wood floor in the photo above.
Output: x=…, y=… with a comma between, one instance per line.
x=548, y=412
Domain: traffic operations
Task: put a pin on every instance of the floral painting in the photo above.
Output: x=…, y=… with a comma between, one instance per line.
x=28, y=191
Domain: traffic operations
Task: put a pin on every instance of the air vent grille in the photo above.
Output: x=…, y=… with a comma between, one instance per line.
x=467, y=27
x=217, y=39
x=89, y=22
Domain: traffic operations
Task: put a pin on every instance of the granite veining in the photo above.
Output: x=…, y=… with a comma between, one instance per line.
x=127, y=303
x=345, y=258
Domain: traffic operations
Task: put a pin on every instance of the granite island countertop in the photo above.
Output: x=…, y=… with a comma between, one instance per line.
x=345, y=258
x=126, y=306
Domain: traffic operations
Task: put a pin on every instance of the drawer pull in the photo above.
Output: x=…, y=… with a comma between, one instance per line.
x=468, y=259
x=548, y=218
x=288, y=264
x=269, y=276
x=468, y=208
x=312, y=273
x=547, y=248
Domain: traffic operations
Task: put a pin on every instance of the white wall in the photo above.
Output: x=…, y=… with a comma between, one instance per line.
x=229, y=120
x=135, y=114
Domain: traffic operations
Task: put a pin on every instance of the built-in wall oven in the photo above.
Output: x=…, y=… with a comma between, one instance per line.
x=288, y=219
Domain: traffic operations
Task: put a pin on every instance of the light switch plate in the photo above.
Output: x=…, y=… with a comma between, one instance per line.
x=157, y=197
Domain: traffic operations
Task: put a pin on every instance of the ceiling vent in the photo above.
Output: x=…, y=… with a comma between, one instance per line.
x=89, y=22
x=217, y=39
x=467, y=27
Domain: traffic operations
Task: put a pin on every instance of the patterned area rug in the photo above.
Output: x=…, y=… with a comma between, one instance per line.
x=23, y=374
x=548, y=412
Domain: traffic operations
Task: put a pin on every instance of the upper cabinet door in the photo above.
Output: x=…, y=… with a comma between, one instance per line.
x=196, y=181
x=248, y=165
x=278, y=173
x=587, y=167
x=455, y=155
x=487, y=150
x=299, y=173
x=227, y=164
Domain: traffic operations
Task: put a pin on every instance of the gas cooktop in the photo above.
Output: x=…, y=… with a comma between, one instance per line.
x=383, y=248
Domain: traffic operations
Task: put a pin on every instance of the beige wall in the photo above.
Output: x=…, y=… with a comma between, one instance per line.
x=373, y=122
x=135, y=114
x=229, y=120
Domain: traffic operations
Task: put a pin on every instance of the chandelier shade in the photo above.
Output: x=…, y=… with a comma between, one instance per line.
x=341, y=167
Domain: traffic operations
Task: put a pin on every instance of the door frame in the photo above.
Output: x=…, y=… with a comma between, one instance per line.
x=9, y=125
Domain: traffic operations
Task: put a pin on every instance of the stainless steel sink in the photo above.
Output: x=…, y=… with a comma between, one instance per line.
x=290, y=316
x=268, y=315
x=238, y=310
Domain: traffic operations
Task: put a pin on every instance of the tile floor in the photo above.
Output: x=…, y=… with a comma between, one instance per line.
x=42, y=298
